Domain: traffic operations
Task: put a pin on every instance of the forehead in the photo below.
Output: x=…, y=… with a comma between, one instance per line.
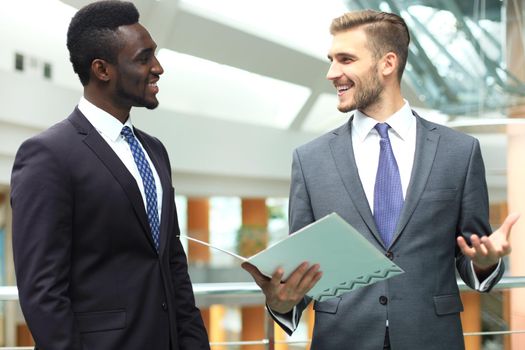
x=134, y=39
x=351, y=41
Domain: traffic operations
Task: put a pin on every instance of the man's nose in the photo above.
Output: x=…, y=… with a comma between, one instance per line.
x=157, y=67
x=334, y=71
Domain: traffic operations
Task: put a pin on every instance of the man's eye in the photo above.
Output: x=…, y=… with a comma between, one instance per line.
x=144, y=59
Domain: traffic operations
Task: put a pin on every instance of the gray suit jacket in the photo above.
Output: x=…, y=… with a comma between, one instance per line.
x=446, y=197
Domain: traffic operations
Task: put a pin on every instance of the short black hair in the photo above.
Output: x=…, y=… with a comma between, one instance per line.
x=92, y=34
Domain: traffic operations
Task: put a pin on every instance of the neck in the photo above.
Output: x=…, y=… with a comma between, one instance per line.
x=388, y=104
x=104, y=102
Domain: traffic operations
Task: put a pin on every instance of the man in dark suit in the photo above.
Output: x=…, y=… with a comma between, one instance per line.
x=416, y=190
x=98, y=262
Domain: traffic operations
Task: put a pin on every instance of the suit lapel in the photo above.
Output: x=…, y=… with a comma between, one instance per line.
x=426, y=147
x=165, y=181
x=343, y=154
x=113, y=163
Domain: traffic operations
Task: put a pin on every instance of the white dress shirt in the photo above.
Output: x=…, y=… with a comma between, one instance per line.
x=365, y=142
x=109, y=128
x=366, y=147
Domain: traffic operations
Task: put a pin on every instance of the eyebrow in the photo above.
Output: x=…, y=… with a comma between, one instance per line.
x=145, y=51
x=341, y=54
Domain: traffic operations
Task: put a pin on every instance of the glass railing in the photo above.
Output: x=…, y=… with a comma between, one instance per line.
x=237, y=292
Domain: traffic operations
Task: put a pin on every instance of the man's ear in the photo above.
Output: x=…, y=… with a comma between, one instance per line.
x=389, y=64
x=101, y=70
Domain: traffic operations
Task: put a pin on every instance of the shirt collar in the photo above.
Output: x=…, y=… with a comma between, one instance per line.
x=401, y=122
x=101, y=120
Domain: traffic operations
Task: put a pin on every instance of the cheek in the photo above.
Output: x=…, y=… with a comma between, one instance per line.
x=132, y=77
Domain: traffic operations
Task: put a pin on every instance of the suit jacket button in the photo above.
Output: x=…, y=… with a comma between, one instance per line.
x=390, y=255
x=383, y=300
x=164, y=306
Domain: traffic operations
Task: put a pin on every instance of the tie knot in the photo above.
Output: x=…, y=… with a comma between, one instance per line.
x=382, y=129
x=127, y=133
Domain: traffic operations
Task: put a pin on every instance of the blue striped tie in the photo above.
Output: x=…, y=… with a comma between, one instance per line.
x=147, y=180
x=388, y=193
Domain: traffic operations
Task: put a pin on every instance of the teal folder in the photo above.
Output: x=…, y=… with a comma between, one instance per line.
x=347, y=259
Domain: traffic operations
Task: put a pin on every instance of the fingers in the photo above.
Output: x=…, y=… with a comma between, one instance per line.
x=510, y=220
x=298, y=284
x=317, y=276
x=294, y=288
x=251, y=269
x=277, y=278
x=465, y=249
x=496, y=250
x=254, y=271
x=309, y=279
x=479, y=248
x=299, y=273
x=303, y=279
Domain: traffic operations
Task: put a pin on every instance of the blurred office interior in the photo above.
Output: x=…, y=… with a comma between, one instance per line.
x=244, y=84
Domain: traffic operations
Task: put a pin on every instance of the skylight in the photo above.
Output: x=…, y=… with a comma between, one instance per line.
x=302, y=25
x=200, y=87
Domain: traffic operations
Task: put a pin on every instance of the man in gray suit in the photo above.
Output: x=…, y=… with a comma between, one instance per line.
x=416, y=190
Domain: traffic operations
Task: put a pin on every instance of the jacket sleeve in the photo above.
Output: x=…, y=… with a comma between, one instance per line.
x=474, y=214
x=41, y=199
x=191, y=333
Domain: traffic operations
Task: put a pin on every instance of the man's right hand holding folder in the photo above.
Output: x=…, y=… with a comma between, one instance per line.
x=282, y=296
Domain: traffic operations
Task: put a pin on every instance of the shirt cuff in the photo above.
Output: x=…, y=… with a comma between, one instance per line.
x=290, y=324
x=484, y=285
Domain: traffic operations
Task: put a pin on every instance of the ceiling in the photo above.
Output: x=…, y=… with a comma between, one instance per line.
x=233, y=67
x=264, y=63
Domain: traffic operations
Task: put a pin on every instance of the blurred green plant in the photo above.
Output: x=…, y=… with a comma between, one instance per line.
x=251, y=240
x=276, y=212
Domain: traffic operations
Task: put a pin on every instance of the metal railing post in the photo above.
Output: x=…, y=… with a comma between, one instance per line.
x=270, y=332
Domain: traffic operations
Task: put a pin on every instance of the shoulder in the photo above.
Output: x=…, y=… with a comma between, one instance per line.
x=152, y=143
x=150, y=140
x=323, y=142
x=446, y=134
x=57, y=137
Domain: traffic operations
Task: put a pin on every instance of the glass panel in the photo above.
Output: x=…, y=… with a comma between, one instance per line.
x=456, y=60
x=225, y=221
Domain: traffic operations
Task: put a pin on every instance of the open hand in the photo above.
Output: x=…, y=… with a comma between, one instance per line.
x=486, y=251
x=282, y=296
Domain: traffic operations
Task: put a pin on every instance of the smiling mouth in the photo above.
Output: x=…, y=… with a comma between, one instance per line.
x=153, y=86
x=341, y=89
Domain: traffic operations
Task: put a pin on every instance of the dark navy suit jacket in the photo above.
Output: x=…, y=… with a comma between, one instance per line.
x=88, y=274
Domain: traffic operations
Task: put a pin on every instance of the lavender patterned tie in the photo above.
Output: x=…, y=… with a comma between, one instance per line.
x=388, y=193
x=148, y=181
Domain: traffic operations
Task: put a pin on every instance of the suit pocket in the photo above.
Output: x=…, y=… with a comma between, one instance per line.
x=440, y=195
x=448, y=304
x=100, y=320
x=329, y=306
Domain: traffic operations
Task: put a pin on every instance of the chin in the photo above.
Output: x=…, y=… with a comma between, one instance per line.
x=346, y=108
x=151, y=104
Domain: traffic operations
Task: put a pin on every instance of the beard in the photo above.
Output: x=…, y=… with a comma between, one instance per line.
x=368, y=92
x=135, y=99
